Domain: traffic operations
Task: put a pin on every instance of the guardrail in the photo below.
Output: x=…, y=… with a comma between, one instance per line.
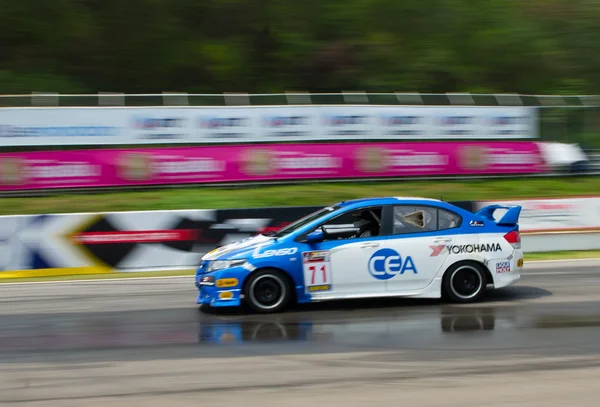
x=92, y=243
x=104, y=99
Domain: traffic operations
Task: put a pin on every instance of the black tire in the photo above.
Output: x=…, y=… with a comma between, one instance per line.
x=464, y=282
x=267, y=291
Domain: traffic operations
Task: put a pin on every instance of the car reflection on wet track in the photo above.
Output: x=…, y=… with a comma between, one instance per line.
x=302, y=328
x=114, y=330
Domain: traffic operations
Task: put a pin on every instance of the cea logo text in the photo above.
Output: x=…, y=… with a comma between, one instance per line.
x=387, y=263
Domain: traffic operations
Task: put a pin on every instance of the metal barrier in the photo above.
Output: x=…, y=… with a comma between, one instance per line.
x=296, y=98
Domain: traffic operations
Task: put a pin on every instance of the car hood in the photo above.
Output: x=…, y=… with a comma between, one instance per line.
x=238, y=247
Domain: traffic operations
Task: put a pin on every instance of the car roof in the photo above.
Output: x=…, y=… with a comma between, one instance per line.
x=387, y=201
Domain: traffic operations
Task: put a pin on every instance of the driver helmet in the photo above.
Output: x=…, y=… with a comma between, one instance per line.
x=364, y=218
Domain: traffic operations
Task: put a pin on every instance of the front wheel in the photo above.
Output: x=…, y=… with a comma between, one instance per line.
x=267, y=291
x=465, y=282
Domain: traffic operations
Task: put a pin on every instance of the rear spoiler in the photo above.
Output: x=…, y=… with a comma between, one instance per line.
x=510, y=218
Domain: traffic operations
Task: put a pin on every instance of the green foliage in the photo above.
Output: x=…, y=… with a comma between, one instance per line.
x=260, y=46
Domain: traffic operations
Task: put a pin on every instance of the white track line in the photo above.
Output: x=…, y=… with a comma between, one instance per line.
x=98, y=280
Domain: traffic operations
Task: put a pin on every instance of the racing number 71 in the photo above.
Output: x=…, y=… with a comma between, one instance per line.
x=313, y=271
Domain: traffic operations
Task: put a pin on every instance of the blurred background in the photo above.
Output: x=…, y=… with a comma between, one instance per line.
x=144, y=94
x=110, y=109
x=271, y=46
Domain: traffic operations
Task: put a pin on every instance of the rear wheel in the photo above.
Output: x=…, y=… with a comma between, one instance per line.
x=465, y=282
x=267, y=291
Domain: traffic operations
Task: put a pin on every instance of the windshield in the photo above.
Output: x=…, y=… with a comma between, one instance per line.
x=303, y=221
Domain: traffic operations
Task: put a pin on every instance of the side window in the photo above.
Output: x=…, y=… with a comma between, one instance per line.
x=417, y=219
x=448, y=220
x=414, y=219
x=364, y=222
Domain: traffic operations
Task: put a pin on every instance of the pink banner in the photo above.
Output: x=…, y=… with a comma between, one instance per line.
x=180, y=165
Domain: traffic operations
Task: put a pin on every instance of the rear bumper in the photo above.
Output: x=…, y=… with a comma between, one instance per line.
x=506, y=272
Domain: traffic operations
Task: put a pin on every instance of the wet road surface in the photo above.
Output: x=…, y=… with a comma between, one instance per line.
x=118, y=343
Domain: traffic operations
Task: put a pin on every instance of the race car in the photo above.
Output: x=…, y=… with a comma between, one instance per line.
x=368, y=248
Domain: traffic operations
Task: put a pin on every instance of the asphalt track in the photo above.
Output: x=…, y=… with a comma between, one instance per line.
x=144, y=342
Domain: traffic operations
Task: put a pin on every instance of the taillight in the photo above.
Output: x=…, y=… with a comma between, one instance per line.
x=514, y=238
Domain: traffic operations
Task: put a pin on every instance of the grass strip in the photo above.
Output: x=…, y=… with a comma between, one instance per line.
x=206, y=197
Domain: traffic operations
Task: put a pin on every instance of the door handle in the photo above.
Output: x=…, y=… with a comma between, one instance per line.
x=369, y=245
x=442, y=240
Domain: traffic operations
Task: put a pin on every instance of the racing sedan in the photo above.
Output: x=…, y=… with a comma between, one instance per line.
x=368, y=248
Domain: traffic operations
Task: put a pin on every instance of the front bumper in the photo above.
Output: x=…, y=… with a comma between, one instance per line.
x=221, y=288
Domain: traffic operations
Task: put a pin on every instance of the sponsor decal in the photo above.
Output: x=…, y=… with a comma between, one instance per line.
x=71, y=170
x=506, y=120
x=510, y=125
x=150, y=123
x=476, y=223
x=474, y=248
x=216, y=250
x=258, y=162
x=160, y=128
x=391, y=120
x=415, y=159
x=385, y=264
x=270, y=253
x=319, y=256
x=285, y=126
x=206, y=280
x=227, y=282
x=308, y=162
x=455, y=120
x=371, y=159
x=226, y=295
x=317, y=271
x=135, y=166
x=58, y=131
x=278, y=121
x=472, y=158
x=436, y=250
x=314, y=288
x=222, y=122
x=503, y=267
x=224, y=127
x=465, y=248
x=346, y=124
x=183, y=165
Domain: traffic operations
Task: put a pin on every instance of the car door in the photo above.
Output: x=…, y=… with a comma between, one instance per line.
x=420, y=236
x=339, y=267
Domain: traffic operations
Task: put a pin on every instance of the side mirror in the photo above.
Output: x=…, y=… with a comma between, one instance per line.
x=315, y=236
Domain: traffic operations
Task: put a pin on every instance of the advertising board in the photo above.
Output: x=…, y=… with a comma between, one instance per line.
x=273, y=162
x=93, y=126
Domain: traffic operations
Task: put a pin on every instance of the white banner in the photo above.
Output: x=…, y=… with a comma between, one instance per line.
x=170, y=125
x=556, y=215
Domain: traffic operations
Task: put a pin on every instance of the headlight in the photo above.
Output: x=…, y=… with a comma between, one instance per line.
x=225, y=264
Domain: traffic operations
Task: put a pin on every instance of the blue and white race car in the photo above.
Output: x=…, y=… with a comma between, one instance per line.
x=368, y=248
